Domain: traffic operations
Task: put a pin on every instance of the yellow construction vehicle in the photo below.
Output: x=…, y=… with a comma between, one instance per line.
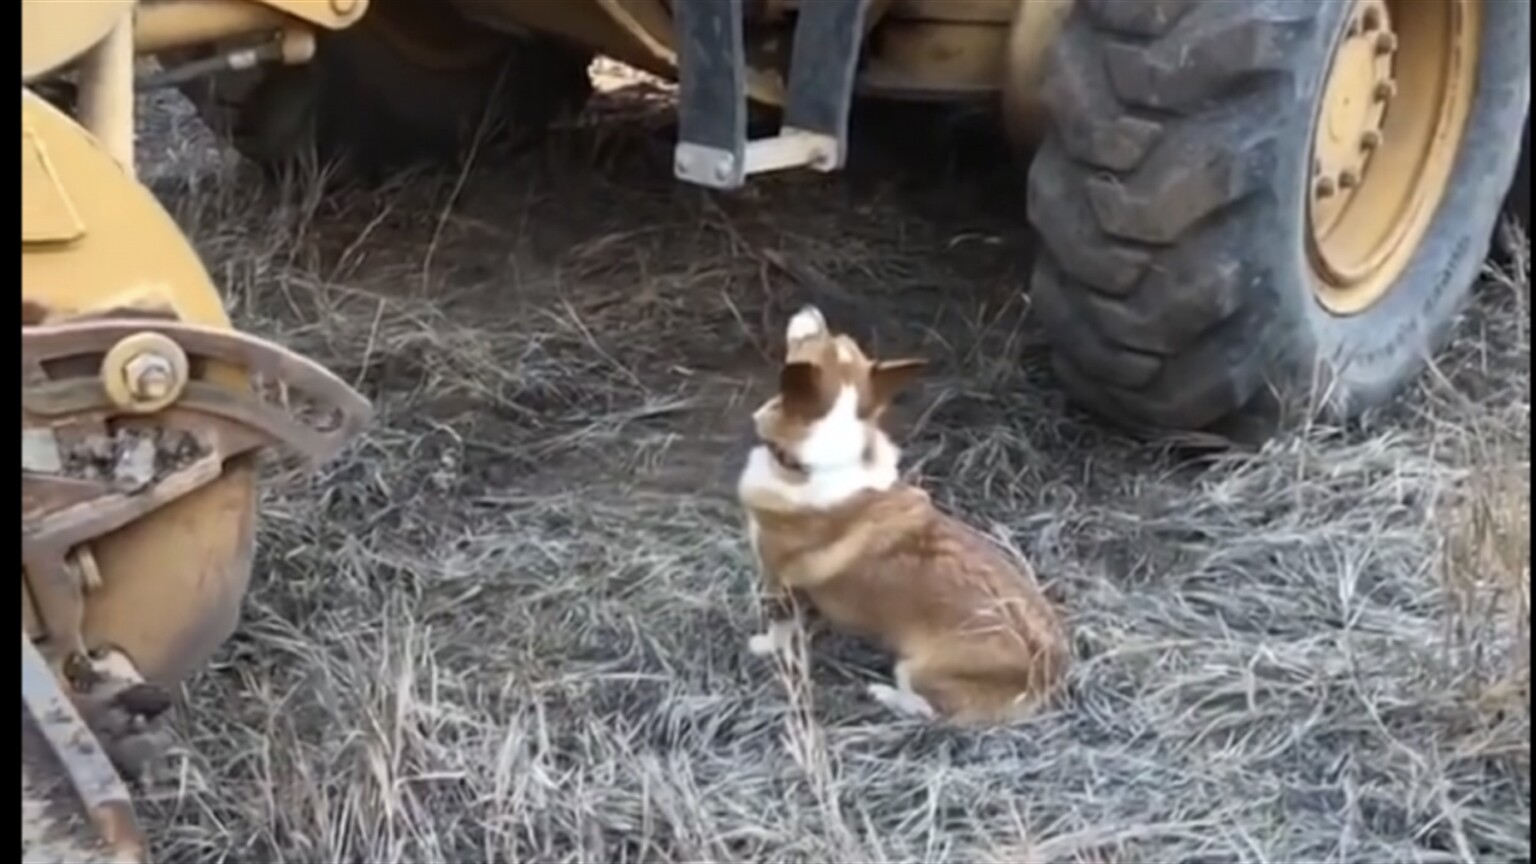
x=1236, y=198
x=143, y=413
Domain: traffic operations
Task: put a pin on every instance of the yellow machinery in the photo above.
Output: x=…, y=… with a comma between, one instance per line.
x=142, y=415
x=1237, y=199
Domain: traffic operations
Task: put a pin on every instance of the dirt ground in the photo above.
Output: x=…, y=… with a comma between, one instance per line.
x=510, y=624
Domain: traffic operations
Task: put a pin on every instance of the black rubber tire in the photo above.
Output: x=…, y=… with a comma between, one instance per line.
x=1168, y=196
x=1520, y=194
x=364, y=104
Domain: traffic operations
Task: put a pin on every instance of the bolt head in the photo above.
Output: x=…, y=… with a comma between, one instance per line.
x=1325, y=187
x=1371, y=20
x=724, y=168
x=1348, y=179
x=1386, y=43
x=1370, y=139
x=1385, y=90
x=149, y=376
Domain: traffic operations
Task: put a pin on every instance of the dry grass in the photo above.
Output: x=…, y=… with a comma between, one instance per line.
x=510, y=624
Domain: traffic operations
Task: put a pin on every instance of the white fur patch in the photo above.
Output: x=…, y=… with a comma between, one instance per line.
x=833, y=456
x=777, y=638
x=902, y=702
x=902, y=698
x=806, y=323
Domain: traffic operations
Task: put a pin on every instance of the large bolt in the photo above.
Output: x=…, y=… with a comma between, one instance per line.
x=149, y=376
x=1325, y=187
x=1371, y=20
x=1385, y=90
x=1348, y=179
x=1386, y=43
x=1370, y=139
x=724, y=168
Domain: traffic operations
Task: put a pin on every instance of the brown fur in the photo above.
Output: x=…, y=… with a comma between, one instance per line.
x=978, y=638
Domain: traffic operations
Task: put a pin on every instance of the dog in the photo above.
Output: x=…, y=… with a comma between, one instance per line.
x=832, y=524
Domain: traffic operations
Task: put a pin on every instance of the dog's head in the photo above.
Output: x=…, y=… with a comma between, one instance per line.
x=831, y=397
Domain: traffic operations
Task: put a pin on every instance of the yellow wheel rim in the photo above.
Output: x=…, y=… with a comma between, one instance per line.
x=1391, y=121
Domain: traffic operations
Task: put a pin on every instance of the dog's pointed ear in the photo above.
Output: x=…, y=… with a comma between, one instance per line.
x=801, y=391
x=888, y=377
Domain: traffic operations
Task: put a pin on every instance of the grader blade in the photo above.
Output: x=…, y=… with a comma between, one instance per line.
x=145, y=417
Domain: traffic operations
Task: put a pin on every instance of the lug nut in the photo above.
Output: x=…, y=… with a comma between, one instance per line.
x=1348, y=179
x=1370, y=139
x=149, y=376
x=1385, y=90
x=1325, y=187
x=1371, y=20
x=1386, y=43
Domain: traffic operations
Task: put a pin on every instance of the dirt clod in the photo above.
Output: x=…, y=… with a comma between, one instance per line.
x=130, y=458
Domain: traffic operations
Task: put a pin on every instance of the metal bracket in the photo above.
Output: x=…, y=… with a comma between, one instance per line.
x=712, y=148
x=60, y=730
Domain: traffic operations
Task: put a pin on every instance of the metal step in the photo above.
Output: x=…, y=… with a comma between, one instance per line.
x=712, y=148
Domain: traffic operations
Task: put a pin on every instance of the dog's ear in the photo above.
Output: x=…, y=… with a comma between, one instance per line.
x=800, y=388
x=888, y=377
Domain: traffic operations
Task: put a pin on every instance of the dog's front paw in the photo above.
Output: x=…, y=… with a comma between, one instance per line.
x=772, y=641
x=902, y=701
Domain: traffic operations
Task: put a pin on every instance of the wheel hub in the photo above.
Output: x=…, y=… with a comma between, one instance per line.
x=1355, y=103
x=1385, y=141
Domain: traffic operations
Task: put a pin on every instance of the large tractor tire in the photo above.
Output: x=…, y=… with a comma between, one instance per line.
x=1249, y=198
x=409, y=83
x=1520, y=194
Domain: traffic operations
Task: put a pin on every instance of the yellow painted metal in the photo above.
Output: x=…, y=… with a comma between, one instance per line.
x=47, y=214
x=1388, y=131
x=145, y=373
x=939, y=49
x=1035, y=27
x=54, y=33
x=325, y=14
x=582, y=22
x=190, y=23
x=649, y=24
x=189, y=561
x=106, y=93
x=636, y=32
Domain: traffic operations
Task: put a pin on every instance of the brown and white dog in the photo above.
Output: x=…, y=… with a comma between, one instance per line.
x=832, y=523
